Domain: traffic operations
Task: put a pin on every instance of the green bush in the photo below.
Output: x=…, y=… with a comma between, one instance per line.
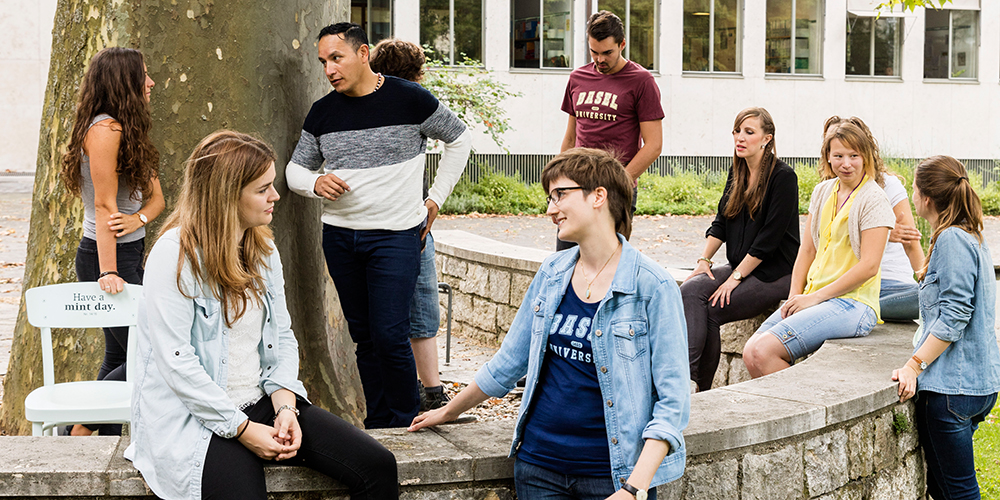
x=808, y=178
x=684, y=193
x=991, y=199
x=495, y=193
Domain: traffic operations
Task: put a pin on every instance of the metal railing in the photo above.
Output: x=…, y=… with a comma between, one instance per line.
x=528, y=167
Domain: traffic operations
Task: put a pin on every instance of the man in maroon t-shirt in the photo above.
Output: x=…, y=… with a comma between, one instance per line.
x=613, y=103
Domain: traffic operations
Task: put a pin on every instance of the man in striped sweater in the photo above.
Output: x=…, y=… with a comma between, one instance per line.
x=362, y=151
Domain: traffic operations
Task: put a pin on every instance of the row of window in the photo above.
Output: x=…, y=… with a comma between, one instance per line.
x=542, y=35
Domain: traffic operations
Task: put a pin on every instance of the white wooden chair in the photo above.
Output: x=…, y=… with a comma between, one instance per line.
x=80, y=305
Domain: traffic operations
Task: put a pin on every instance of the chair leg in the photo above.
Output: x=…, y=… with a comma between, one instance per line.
x=36, y=429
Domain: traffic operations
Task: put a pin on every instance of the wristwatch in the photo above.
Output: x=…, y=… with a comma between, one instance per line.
x=142, y=218
x=636, y=492
x=738, y=276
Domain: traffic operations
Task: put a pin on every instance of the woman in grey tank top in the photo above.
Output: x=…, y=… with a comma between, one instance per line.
x=112, y=164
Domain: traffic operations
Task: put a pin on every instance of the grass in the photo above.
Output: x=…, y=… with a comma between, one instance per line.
x=986, y=442
x=684, y=193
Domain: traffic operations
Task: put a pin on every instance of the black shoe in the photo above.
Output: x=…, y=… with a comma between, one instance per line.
x=432, y=398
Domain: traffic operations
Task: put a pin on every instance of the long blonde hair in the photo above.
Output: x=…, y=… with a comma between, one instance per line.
x=944, y=181
x=207, y=216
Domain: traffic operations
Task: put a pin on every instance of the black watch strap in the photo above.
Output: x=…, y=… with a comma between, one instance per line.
x=631, y=489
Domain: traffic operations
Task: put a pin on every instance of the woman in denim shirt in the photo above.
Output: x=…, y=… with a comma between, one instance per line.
x=601, y=336
x=218, y=392
x=956, y=366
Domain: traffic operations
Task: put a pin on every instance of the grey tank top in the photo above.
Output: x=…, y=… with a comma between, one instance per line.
x=126, y=204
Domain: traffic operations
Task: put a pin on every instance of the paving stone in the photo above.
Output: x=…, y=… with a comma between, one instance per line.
x=484, y=315
x=461, y=307
x=885, y=442
x=498, y=288
x=476, y=281
x=721, y=378
x=673, y=490
x=734, y=335
x=488, y=443
x=861, y=443
x=713, y=481
x=738, y=371
x=826, y=462
x=519, y=284
x=723, y=419
x=905, y=481
x=424, y=457
x=851, y=491
x=774, y=476
x=505, y=316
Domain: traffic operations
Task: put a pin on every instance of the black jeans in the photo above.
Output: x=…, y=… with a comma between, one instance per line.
x=375, y=272
x=88, y=268
x=750, y=298
x=329, y=445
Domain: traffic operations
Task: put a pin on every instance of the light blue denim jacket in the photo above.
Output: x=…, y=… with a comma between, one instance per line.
x=639, y=339
x=179, y=399
x=957, y=304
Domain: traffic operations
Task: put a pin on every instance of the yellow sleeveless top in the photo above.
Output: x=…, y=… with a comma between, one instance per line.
x=834, y=255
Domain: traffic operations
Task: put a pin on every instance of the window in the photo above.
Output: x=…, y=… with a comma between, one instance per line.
x=873, y=45
x=542, y=34
x=950, y=44
x=640, y=18
x=375, y=16
x=453, y=29
x=794, y=41
x=712, y=35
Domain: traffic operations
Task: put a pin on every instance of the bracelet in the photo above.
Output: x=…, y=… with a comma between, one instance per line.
x=287, y=407
x=238, y=434
x=710, y=263
x=107, y=273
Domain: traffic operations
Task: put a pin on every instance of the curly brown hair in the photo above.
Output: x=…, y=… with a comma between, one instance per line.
x=395, y=57
x=115, y=85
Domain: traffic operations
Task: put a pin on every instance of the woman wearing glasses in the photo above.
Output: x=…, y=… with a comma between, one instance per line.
x=601, y=339
x=758, y=221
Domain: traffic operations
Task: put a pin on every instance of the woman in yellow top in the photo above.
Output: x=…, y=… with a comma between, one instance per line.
x=835, y=280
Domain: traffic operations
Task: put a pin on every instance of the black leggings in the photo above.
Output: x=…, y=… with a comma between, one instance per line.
x=750, y=298
x=329, y=445
x=88, y=268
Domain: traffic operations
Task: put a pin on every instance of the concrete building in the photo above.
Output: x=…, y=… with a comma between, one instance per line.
x=927, y=82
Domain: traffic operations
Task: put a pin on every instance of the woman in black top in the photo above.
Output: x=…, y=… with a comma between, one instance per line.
x=758, y=222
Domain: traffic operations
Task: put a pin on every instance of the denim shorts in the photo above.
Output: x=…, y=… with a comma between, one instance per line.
x=425, y=311
x=805, y=331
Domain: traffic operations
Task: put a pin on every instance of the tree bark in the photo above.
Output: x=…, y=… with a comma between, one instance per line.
x=240, y=64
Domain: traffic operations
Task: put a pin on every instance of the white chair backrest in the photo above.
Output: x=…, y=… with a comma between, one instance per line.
x=81, y=305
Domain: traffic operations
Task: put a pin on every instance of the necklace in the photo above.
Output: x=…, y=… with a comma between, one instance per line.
x=587, y=279
x=378, y=84
x=841, y=205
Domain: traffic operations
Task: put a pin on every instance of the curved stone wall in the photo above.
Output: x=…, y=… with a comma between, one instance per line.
x=830, y=427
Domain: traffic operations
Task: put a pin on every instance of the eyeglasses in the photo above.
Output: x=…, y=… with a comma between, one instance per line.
x=556, y=195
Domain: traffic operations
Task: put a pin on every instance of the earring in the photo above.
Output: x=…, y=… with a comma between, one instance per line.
x=762, y=147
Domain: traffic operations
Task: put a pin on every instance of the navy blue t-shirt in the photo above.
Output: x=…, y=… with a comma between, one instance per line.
x=565, y=430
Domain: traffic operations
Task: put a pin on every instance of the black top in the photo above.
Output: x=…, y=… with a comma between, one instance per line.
x=772, y=235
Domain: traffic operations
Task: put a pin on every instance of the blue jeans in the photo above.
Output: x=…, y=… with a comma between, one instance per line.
x=425, y=312
x=946, y=424
x=375, y=272
x=898, y=300
x=805, y=331
x=538, y=483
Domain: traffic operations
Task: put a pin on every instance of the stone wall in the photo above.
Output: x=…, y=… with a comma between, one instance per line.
x=828, y=428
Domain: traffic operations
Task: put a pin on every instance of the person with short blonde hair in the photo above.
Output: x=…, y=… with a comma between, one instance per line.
x=600, y=336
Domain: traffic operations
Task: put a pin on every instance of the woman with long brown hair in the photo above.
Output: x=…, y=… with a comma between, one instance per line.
x=758, y=221
x=113, y=166
x=218, y=392
x=955, y=366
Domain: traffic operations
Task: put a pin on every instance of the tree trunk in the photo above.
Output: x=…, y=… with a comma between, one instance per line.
x=239, y=64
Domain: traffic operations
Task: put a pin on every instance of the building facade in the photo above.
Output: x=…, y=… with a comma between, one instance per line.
x=927, y=82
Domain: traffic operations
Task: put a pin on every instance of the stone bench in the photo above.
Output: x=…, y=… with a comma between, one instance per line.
x=828, y=428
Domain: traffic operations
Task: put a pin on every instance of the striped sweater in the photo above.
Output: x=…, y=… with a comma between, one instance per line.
x=376, y=144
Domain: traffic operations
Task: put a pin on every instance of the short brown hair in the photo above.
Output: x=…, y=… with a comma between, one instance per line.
x=395, y=57
x=852, y=136
x=591, y=169
x=604, y=24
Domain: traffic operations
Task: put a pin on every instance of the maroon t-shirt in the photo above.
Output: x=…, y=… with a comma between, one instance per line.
x=608, y=108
